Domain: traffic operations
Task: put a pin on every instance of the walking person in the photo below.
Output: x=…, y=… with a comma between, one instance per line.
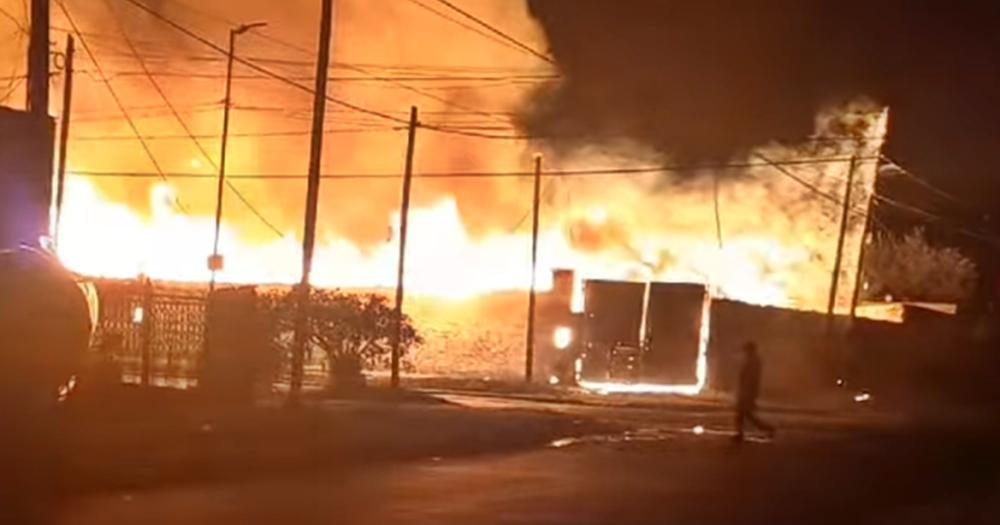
x=748, y=390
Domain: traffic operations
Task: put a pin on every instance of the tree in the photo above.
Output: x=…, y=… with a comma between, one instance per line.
x=354, y=331
x=908, y=267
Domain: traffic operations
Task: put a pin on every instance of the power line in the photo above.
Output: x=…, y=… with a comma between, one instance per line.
x=334, y=65
x=923, y=182
x=786, y=172
x=489, y=174
x=11, y=89
x=343, y=103
x=937, y=219
x=10, y=16
x=118, y=101
x=169, y=55
x=398, y=82
x=781, y=167
x=144, y=111
x=286, y=80
x=368, y=77
x=14, y=81
x=276, y=76
x=520, y=45
x=262, y=134
x=184, y=126
x=464, y=25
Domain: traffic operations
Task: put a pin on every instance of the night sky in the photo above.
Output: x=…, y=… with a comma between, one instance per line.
x=709, y=79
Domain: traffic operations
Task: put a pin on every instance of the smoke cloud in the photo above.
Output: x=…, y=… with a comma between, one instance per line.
x=712, y=79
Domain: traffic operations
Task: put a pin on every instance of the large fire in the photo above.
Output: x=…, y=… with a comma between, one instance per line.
x=105, y=238
x=773, y=242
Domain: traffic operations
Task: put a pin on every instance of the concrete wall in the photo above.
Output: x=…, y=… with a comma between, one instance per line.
x=26, y=144
x=797, y=362
x=930, y=358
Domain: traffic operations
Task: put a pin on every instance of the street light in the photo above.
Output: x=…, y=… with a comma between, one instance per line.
x=215, y=262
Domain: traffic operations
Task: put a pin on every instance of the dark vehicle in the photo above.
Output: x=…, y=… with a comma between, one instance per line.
x=46, y=325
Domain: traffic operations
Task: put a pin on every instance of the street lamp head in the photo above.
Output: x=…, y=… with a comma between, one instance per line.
x=243, y=28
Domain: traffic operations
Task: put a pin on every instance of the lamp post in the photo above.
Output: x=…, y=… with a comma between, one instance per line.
x=215, y=261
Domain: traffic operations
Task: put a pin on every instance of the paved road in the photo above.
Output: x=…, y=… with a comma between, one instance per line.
x=664, y=473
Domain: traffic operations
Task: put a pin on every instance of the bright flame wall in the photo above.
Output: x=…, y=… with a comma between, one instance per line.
x=469, y=236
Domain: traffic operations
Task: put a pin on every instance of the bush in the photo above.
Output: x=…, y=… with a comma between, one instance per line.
x=909, y=268
x=354, y=331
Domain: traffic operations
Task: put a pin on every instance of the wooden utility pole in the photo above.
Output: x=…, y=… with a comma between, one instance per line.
x=838, y=260
x=718, y=213
x=859, y=276
x=312, y=203
x=216, y=262
x=529, y=354
x=863, y=248
x=404, y=220
x=38, y=59
x=67, y=112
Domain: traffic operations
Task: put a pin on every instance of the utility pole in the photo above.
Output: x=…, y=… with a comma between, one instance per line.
x=859, y=276
x=216, y=261
x=404, y=220
x=38, y=59
x=67, y=112
x=529, y=355
x=718, y=213
x=838, y=261
x=312, y=203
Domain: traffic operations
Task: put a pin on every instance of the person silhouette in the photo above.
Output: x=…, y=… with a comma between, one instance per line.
x=751, y=372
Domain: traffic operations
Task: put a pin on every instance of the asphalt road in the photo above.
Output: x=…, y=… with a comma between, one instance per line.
x=674, y=469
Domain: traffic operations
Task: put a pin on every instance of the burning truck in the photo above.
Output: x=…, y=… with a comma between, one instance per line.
x=626, y=336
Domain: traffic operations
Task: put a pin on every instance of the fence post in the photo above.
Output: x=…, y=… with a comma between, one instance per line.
x=147, y=330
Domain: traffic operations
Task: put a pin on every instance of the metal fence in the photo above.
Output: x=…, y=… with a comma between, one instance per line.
x=157, y=334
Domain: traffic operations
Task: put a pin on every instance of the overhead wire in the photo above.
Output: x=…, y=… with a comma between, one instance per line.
x=12, y=88
x=599, y=172
x=10, y=16
x=220, y=19
x=546, y=192
x=443, y=128
x=788, y=173
x=397, y=82
x=256, y=67
x=187, y=130
x=260, y=134
x=930, y=216
x=118, y=101
x=143, y=113
x=291, y=82
x=940, y=220
x=464, y=25
x=923, y=182
x=15, y=80
x=368, y=77
x=486, y=25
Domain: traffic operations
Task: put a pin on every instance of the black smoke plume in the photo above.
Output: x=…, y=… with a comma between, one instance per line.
x=709, y=79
